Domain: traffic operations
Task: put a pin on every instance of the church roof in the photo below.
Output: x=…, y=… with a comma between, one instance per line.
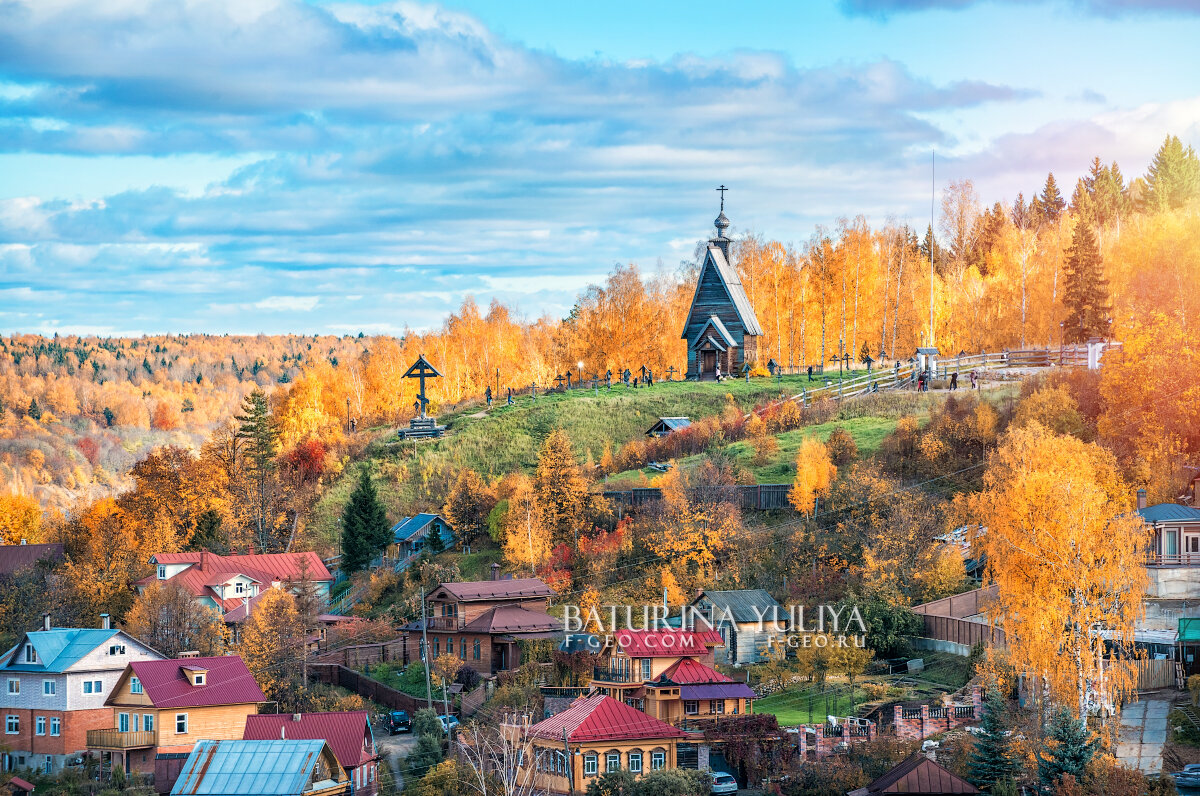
x=725, y=337
x=733, y=285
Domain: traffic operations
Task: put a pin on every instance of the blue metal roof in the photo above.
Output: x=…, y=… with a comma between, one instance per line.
x=1170, y=512
x=58, y=649
x=411, y=526
x=248, y=768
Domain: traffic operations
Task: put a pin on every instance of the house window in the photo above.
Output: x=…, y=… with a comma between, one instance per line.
x=658, y=761
x=40, y=725
x=181, y=724
x=116, y=649
x=199, y=678
x=30, y=654
x=462, y=648
x=716, y=706
x=49, y=687
x=135, y=685
x=736, y=702
x=691, y=707
x=589, y=764
x=162, y=572
x=123, y=722
x=1170, y=543
x=437, y=647
x=239, y=588
x=475, y=651
x=612, y=761
x=93, y=686
x=148, y=722
x=645, y=668
x=12, y=725
x=14, y=685
x=48, y=766
x=55, y=726
x=635, y=762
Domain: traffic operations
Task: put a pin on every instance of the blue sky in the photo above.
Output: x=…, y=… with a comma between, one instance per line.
x=278, y=165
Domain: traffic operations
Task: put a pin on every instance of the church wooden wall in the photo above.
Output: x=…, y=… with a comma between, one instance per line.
x=713, y=299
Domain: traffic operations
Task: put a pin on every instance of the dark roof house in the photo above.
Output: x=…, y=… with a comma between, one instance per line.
x=917, y=774
x=16, y=558
x=172, y=683
x=348, y=733
x=666, y=425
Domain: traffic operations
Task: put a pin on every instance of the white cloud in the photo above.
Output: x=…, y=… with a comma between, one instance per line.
x=288, y=303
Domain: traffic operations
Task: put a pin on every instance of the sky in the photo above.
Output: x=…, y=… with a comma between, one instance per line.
x=274, y=166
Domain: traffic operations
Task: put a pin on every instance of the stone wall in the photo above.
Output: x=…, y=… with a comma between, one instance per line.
x=921, y=722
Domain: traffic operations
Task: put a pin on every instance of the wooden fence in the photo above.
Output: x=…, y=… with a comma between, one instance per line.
x=360, y=655
x=959, y=606
x=1152, y=675
x=756, y=497
x=336, y=674
x=961, y=631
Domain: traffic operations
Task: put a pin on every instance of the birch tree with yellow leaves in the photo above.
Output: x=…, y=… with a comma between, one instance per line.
x=1066, y=552
x=815, y=472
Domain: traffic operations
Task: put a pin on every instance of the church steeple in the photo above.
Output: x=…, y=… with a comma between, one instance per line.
x=722, y=240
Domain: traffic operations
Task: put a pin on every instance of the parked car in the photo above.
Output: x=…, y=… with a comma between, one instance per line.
x=448, y=722
x=1189, y=777
x=723, y=783
x=398, y=721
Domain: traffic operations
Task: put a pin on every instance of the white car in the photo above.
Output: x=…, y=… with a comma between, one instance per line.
x=723, y=783
x=448, y=722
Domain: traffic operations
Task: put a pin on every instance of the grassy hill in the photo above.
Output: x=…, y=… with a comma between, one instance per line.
x=414, y=475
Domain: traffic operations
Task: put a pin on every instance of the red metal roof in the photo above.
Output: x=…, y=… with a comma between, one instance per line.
x=210, y=569
x=601, y=718
x=666, y=643
x=344, y=731
x=688, y=671
x=512, y=619
x=227, y=682
x=482, y=590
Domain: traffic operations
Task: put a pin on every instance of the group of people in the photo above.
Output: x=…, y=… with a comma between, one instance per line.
x=923, y=381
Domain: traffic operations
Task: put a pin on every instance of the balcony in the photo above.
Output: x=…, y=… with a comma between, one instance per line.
x=1173, y=560
x=450, y=623
x=614, y=676
x=115, y=739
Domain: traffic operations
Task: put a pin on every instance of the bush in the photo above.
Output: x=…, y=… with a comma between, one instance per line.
x=841, y=446
x=426, y=723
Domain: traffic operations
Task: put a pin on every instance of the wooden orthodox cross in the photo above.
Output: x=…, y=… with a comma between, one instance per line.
x=421, y=369
x=671, y=373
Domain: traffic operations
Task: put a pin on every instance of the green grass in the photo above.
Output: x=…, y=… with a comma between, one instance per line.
x=808, y=705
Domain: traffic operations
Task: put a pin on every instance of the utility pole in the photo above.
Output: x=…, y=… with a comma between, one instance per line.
x=347, y=412
x=932, y=236
x=425, y=652
x=570, y=763
x=529, y=533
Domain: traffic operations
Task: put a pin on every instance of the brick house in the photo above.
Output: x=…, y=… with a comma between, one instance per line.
x=158, y=709
x=55, y=684
x=224, y=583
x=482, y=622
x=596, y=734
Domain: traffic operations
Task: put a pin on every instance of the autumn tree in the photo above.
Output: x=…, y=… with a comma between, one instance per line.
x=814, y=473
x=1085, y=291
x=365, y=528
x=562, y=492
x=468, y=505
x=527, y=540
x=1067, y=557
x=272, y=647
x=20, y=519
x=167, y=618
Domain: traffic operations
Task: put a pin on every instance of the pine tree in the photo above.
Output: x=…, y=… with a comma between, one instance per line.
x=1174, y=177
x=1085, y=290
x=1052, y=201
x=991, y=760
x=365, y=528
x=258, y=429
x=35, y=411
x=1069, y=749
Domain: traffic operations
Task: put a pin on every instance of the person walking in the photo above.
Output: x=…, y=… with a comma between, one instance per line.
x=488, y=394
x=953, y=381
x=974, y=381
x=718, y=371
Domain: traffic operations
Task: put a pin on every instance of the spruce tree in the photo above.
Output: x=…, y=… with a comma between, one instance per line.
x=1052, y=201
x=365, y=528
x=1069, y=749
x=258, y=429
x=35, y=411
x=991, y=760
x=1085, y=290
x=1174, y=177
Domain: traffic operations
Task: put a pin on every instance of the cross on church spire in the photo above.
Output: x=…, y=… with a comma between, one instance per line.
x=722, y=191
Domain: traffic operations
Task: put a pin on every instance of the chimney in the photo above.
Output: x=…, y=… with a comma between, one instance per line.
x=1141, y=498
x=105, y=622
x=282, y=733
x=297, y=716
x=24, y=542
x=203, y=559
x=495, y=571
x=45, y=621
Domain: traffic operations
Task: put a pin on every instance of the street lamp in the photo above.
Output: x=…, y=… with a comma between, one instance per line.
x=579, y=365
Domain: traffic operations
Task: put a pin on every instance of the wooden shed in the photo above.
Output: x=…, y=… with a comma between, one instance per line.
x=666, y=425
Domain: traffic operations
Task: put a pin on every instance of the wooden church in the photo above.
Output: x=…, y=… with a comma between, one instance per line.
x=722, y=329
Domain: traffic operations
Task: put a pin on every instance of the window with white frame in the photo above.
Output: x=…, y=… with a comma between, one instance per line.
x=48, y=765
x=12, y=725
x=181, y=723
x=162, y=572
x=612, y=761
x=691, y=706
x=646, y=668
x=199, y=678
x=14, y=685
x=30, y=654
x=39, y=725
x=49, y=687
x=590, y=762
x=239, y=588
x=116, y=649
x=635, y=762
x=716, y=706
x=93, y=686
x=135, y=685
x=658, y=761
x=55, y=726
x=148, y=722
